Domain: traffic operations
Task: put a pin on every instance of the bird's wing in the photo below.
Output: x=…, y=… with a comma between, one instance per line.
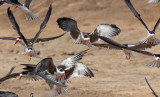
x=107, y=46
x=49, y=78
x=156, y=25
x=81, y=70
x=27, y=3
x=125, y=47
x=46, y=65
x=8, y=38
x=13, y=2
x=153, y=64
x=46, y=39
x=153, y=1
x=70, y=26
x=1, y=3
x=68, y=62
x=13, y=75
x=29, y=67
x=15, y=25
x=154, y=93
x=43, y=25
x=32, y=75
x=141, y=46
x=129, y=4
x=106, y=30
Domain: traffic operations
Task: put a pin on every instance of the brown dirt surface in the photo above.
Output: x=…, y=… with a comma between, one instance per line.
x=114, y=75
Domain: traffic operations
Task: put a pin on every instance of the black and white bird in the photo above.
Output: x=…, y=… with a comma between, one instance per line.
x=29, y=48
x=150, y=39
x=30, y=41
x=68, y=68
x=153, y=1
x=28, y=75
x=154, y=93
x=70, y=26
x=127, y=53
x=25, y=8
x=155, y=63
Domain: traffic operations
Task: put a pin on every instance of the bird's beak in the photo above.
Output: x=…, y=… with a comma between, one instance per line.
x=15, y=7
x=153, y=36
x=64, y=75
x=89, y=41
x=16, y=42
x=157, y=60
x=20, y=77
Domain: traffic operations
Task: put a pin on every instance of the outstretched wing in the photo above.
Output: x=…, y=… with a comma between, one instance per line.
x=46, y=65
x=154, y=93
x=8, y=38
x=129, y=4
x=15, y=25
x=123, y=46
x=46, y=39
x=70, y=26
x=43, y=25
x=106, y=30
x=27, y=3
x=156, y=25
x=71, y=60
x=107, y=46
x=9, y=75
x=153, y=1
x=81, y=70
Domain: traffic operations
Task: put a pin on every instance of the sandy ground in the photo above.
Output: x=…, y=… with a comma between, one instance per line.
x=114, y=75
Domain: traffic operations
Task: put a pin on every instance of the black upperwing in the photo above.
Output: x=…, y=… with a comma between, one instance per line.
x=43, y=25
x=125, y=47
x=154, y=93
x=156, y=25
x=15, y=25
x=129, y=4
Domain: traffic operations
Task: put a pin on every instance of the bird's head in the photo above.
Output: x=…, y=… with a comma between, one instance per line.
x=19, y=39
x=61, y=72
x=30, y=50
x=23, y=74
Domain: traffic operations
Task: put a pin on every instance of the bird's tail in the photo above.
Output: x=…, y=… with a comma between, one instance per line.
x=59, y=90
x=153, y=64
x=126, y=56
x=30, y=17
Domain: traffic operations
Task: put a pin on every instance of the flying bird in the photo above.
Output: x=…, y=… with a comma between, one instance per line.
x=150, y=39
x=127, y=53
x=154, y=93
x=30, y=41
x=29, y=48
x=68, y=68
x=25, y=8
x=28, y=75
x=70, y=26
x=155, y=63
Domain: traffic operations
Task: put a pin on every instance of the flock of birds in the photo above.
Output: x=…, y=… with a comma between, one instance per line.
x=57, y=77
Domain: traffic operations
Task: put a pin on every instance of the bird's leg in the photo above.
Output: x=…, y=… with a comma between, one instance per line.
x=29, y=58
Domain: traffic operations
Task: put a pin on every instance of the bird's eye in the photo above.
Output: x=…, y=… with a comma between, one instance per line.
x=85, y=36
x=30, y=48
x=61, y=69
